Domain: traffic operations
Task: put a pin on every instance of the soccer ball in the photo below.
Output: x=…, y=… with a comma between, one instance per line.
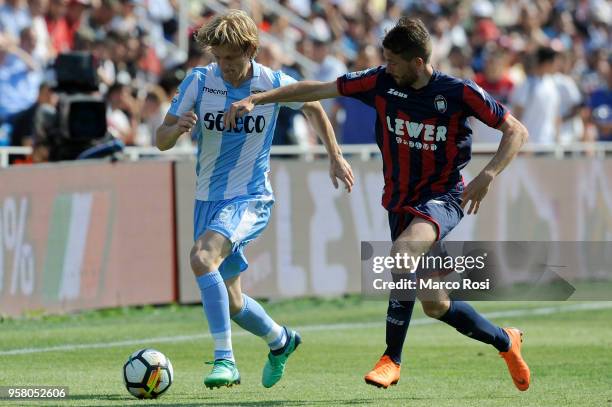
x=147, y=374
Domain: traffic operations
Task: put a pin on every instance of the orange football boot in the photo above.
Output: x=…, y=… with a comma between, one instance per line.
x=386, y=373
x=516, y=365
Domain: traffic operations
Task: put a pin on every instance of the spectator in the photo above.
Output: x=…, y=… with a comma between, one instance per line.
x=100, y=18
x=530, y=26
x=570, y=101
x=133, y=43
x=122, y=114
x=535, y=102
x=562, y=29
x=484, y=32
x=291, y=127
x=75, y=14
x=458, y=64
x=600, y=105
x=126, y=21
x=354, y=117
x=117, y=44
x=155, y=16
x=14, y=17
x=58, y=28
x=43, y=50
x=153, y=111
x=27, y=42
x=496, y=80
x=31, y=127
x=20, y=78
x=329, y=68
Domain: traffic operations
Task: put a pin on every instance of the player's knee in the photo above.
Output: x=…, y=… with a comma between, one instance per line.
x=203, y=261
x=410, y=248
x=434, y=309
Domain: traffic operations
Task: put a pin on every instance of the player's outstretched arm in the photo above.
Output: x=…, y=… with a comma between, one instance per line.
x=172, y=128
x=339, y=169
x=305, y=91
x=514, y=136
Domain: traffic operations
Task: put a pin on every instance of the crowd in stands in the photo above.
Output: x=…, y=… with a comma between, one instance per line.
x=548, y=61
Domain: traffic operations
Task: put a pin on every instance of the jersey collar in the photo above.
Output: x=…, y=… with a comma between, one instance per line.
x=256, y=68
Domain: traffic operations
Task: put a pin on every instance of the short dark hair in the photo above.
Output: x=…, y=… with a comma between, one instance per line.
x=545, y=55
x=409, y=38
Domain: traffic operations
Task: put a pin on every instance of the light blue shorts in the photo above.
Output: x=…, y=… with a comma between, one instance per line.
x=240, y=219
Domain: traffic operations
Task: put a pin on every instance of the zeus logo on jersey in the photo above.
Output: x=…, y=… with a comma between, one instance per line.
x=421, y=136
x=397, y=93
x=247, y=124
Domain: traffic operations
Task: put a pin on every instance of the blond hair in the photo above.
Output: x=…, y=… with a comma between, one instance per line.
x=234, y=28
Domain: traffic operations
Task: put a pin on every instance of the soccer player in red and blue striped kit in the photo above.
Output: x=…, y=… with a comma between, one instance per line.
x=425, y=140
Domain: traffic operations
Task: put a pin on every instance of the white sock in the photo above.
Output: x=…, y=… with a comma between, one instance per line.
x=277, y=337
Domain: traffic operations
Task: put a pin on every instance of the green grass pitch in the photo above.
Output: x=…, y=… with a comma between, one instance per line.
x=567, y=345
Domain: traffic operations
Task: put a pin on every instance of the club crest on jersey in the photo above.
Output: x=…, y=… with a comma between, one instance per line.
x=440, y=103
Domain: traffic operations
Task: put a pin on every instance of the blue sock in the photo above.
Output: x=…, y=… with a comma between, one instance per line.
x=399, y=313
x=253, y=318
x=469, y=322
x=216, y=307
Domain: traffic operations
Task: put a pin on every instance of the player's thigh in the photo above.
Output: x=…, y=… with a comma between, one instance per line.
x=416, y=239
x=209, y=251
x=234, y=292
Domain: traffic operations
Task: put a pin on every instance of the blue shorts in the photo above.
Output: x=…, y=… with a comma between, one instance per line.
x=443, y=210
x=240, y=219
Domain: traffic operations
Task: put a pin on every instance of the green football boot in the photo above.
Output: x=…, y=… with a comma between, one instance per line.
x=224, y=373
x=275, y=366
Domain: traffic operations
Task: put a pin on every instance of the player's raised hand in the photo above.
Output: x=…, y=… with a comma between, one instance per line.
x=236, y=110
x=339, y=169
x=476, y=191
x=187, y=121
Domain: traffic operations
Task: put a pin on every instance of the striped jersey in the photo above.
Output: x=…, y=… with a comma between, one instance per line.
x=230, y=162
x=423, y=134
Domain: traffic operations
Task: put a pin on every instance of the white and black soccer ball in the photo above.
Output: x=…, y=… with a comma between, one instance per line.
x=147, y=374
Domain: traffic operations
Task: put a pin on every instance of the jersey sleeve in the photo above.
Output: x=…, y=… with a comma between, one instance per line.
x=481, y=105
x=360, y=85
x=284, y=80
x=186, y=94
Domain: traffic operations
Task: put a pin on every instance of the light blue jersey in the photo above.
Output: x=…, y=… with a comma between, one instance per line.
x=231, y=162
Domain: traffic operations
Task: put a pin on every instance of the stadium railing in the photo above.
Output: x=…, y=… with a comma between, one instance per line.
x=364, y=152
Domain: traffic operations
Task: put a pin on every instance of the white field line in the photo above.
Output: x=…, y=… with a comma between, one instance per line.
x=307, y=328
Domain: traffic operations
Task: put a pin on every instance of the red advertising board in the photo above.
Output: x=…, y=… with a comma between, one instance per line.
x=85, y=235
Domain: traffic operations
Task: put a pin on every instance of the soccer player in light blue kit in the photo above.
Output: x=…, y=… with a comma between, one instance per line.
x=233, y=193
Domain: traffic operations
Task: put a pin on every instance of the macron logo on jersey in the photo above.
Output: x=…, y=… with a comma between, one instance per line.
x=221, y=92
